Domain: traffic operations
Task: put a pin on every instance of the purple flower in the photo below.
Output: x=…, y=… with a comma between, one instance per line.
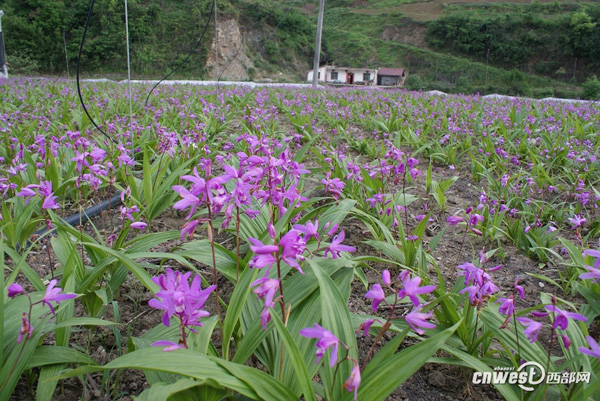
x=309, y=230
x=594, y=349
x=411, y=288
x=353, y=381
x=336, y=246
x=561, y=317
x=188, y=200
x=139, y=225
x=418, y=320
x=577, y=221
x=507, y=306
x=292, y=248
x=595, y=254
x=264, y=254
x=265, y=317
x=335, y=186
x=267, y=287
x=15, y=289
x=454, y=220
x=26, y=328
x=27, y=193
x=376, y=293
x=593, y=274
x=53, y=294
x=365, y=327
x=475, y=218
x=520, y=290
x=326, y=340
x=472, y=274
x=50, y=202
x=532, y=330
x=387, y=280
x=188, y=229
x=170, y=346
x=178, y=298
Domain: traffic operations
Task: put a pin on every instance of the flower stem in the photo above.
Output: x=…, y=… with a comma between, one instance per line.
x=237, y=244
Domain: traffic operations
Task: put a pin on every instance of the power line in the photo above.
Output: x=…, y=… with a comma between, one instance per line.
x=87, y=23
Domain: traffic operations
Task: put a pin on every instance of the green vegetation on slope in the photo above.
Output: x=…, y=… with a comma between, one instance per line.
x=162, y=33
x=538, y=49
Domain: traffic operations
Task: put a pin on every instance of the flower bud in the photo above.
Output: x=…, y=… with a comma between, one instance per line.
x=387, y=280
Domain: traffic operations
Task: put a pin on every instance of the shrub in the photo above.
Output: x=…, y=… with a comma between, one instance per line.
x=22, y=62
x=591, y=88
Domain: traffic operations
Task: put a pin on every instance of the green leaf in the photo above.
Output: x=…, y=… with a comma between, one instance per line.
x=212, y=371
x=335, y=318
x=479, y=366
x=83, y=321
x=236, y=305
x=171, y=391
x=49, y=355
x=46, y=386
x=493, y=320
x=16, y=361
x=135, y=268
x=379, y=381
x=296, y=358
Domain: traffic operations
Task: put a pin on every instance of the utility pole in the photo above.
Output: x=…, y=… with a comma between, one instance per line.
x=318, y=44
x=3, y=69
x=216, y=46
x=129, y=75
x=487, y=59
x=66, y=54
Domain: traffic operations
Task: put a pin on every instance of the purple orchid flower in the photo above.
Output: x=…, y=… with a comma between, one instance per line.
x=418, y=320
x=326, y=340
x=411, y=288
x=377, y=295
x=594, y=349
x=532, y=330
x=336, y=246
x=353, y=381
x=54, y=294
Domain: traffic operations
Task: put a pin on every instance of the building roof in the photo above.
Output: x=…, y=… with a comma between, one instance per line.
x=396, y=72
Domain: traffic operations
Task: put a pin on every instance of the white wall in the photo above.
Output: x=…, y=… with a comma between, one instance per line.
x=358, y=75
x=309, y=77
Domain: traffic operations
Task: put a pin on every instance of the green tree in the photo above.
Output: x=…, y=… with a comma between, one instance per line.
x=581, y=38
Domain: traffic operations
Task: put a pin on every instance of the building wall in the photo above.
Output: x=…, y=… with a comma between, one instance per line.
x=342, y=74
x=309, y=77
x=389, y=81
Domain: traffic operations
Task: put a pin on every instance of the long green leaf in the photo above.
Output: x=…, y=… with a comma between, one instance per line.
x=166, y=391
x=380, y=380
x=236, y=305
x=245, y=380
x=296, y=359
x=49, y=355
x=335, y=318
x=479, y=366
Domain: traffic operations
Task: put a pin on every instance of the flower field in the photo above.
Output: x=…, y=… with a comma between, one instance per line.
x=287, y=243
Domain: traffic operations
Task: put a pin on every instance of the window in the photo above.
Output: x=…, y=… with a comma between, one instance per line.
x=319, y=75
x=366, y=76
x=334, y=75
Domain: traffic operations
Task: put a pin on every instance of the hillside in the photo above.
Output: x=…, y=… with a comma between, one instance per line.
x=537, y=48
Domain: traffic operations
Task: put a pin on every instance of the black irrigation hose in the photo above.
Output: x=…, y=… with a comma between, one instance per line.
x=87, y=23
x=84, y=216
x=212, y=8
x=87, y=214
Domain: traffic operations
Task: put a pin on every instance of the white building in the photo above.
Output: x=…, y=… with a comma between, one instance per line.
x=344, y=75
